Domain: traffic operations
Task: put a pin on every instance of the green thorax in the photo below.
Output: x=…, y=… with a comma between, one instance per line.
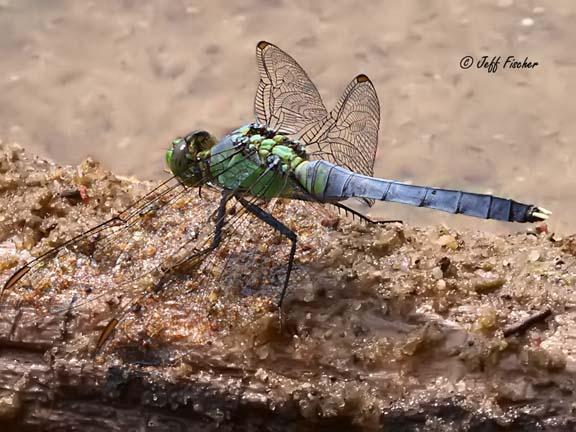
x=257, y=161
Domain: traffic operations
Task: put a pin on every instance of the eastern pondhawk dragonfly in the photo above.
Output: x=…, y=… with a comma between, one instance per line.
x=296, y=149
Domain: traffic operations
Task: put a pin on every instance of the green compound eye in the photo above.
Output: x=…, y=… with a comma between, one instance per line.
x=183, y=156
x=168, y=157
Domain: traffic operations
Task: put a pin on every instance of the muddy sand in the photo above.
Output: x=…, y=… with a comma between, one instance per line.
x=392, y=327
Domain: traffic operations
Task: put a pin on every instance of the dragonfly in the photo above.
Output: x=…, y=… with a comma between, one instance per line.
x=295, y=150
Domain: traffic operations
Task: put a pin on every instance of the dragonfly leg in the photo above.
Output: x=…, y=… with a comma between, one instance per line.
x=217, y=239
x=362, y=217
x=220, y=215
x=282, y=229
x=220, y=220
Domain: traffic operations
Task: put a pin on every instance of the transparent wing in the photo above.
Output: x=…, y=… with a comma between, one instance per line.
x=286, y=99
x=349, y=135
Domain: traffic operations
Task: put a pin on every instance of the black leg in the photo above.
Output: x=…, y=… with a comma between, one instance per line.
x=280, y=227
x=220, y=222
x=363, y=217
x=221, y=213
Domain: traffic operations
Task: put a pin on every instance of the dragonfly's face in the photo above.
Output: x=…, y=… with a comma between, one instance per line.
x=185, y=155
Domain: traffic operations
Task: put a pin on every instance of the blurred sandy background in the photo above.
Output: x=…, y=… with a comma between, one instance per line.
x=117, y=80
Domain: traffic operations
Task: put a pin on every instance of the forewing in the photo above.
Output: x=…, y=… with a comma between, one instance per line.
x=286, y=99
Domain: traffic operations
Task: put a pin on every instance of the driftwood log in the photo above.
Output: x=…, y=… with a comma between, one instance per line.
x=385, y=328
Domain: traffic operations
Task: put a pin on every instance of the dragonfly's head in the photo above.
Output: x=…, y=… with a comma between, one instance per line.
x=185, y=156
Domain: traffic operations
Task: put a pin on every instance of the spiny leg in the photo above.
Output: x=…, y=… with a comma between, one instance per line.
x=363, y=217
x=237, y=222
x=164, y=271
x=128, y=218
x=306, y=196
x=197, y=254
x=131, y=221
x=282, y=229
x=131, y=216
x=163, y=196
x=264, y=188
x=217, y=238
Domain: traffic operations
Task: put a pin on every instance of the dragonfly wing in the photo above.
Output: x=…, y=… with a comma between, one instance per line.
x=286, y=100
x=349, y=135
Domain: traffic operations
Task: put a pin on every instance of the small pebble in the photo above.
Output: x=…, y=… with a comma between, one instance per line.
x=437, y=273
x=486, y=285
x=534, y=256
x=309, y=296
x=555, y=237
x=527, y=22
x=542, y=228
x=488, y=319
x=213, y=297
x=447, y=241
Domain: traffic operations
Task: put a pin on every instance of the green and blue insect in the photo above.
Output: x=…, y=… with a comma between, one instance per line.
x=298, y=150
